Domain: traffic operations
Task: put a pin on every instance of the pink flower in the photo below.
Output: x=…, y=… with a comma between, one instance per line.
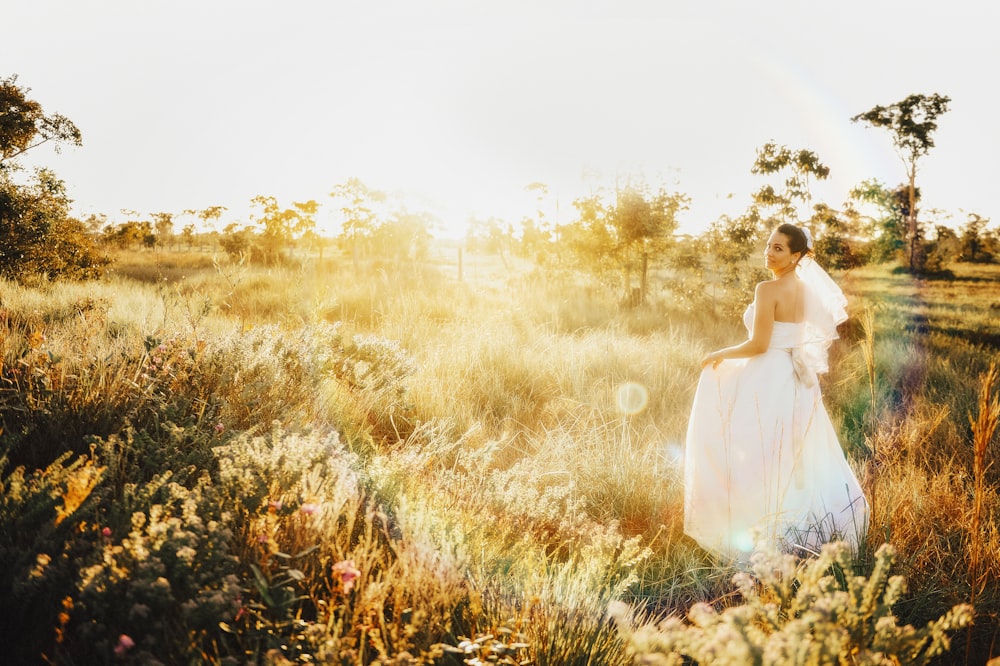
x=106, y=532
x=309, y=508
x=125, y=643
x=274, y=506
x=219, y=427
x=347, y=572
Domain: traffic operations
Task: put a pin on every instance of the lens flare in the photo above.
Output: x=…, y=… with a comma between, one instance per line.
x=743, y=541
x=632, y=398
x=674, y=454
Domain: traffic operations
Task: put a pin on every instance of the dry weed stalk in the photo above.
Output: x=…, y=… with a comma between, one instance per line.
x=868, y=353
x=984, y=425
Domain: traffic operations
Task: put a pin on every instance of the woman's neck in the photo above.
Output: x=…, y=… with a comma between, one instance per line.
x=784, y=273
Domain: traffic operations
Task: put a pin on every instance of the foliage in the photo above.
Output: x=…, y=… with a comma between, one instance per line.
x=359, y=216
x=812, y=612
x=237, y=241
x=803, y=164
x=977, y=245
x=404, y=236
x=400, y=464
x=912, y=122
x=23, y=124
x=130, y=234
x=166, y=584
x=41, y=240
x=836, y=247
x=887, y=229
x=731, y=242
x=279, y=227
x=624, y=235
x=40, y=543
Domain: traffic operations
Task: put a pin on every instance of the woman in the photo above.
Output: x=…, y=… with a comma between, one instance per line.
x=763, y=466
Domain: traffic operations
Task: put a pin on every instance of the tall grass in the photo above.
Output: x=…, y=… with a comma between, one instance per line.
x=395, y=466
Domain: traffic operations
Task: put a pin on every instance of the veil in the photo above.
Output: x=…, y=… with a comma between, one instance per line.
x=825, y=310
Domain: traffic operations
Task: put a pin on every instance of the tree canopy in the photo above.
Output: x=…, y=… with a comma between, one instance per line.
x=40, y=239
x=24, y=125
x=912, y=122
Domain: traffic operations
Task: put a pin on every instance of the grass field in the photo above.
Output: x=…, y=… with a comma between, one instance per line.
x=206, y=462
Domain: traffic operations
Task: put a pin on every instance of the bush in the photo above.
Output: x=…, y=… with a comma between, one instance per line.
x=41, y=240
x=793, y=612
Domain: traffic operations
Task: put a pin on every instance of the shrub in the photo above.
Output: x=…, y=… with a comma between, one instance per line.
x=797, y=613
x=41, y=241
x=166, y=586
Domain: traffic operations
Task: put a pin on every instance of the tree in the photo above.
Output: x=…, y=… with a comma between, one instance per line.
x=209, y=216
x=274, y=224
x=164, y=225
x=237, y=241
x=23, y=124
x=188, y=233
x=40, y=239
x=803, y=165
x=938, y=250
x=912, y=123
x=129, y=234
x=625, y=234
x=493, y=235
x=973, y=244
x=95, y=223
x=358, y=212
x=886, y=227
x=537, y=232
x=733, y=240
x=404, y=235
x=835, y=246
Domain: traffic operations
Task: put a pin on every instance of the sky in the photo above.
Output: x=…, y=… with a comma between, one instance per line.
x=455, y=106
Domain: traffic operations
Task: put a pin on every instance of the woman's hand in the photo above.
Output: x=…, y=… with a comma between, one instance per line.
x=713, y=359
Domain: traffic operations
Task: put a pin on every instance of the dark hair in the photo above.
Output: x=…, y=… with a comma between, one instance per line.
x=797, y=241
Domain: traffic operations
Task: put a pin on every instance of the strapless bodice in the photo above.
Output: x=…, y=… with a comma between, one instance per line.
x=784, y=335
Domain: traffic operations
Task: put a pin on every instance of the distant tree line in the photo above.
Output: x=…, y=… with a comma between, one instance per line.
x=615, y=237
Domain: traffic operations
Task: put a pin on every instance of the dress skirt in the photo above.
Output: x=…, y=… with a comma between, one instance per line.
x=763, y=466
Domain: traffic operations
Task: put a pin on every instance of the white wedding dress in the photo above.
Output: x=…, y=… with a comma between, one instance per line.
x=763, y=467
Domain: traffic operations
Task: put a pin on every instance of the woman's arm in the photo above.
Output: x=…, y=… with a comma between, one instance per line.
x=764, y=300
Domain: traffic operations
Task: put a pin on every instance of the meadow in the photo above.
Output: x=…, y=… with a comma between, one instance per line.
x=210, y=462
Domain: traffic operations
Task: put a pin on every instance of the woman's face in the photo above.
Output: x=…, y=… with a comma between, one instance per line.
x=778, y=257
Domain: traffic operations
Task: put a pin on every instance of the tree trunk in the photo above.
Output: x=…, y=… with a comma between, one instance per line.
x=912, y=218
x=642, y=277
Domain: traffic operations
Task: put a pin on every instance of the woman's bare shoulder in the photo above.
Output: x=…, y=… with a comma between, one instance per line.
x=767, y=288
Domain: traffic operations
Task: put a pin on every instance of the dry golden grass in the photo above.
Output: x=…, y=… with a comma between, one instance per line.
x=531, y=468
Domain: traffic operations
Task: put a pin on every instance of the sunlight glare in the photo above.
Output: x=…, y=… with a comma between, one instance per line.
x=743, y=541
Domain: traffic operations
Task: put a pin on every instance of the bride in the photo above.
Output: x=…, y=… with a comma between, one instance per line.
x=763, y=466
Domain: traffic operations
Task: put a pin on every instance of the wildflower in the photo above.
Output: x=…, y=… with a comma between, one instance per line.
x=219, y=428
x=125, y=643
x=240, y=608
x=347, y=572
x=274, y=506
x=309, y=508
x=106, y=532
x=262, y=538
